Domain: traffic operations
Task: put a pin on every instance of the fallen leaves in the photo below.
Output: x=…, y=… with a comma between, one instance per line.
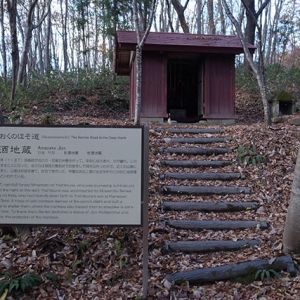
x=106, y=263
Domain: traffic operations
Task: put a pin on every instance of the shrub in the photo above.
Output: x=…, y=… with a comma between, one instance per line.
x=68, y=86
x=248, y=155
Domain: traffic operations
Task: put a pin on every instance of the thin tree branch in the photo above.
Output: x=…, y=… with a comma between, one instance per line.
x=153, y=9
x=262, y=7
x=136, y=21
x=258, y=13
x=43, y=16
x=169, y=16
x=257, y=70
x=254, y=18
x=186, y=4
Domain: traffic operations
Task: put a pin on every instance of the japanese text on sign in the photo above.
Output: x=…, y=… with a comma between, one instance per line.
x=70, y=175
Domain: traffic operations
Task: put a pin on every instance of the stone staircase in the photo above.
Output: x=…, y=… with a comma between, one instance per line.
x=197, y=154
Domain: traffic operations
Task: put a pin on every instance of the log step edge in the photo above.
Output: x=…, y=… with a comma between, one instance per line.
x=195, y=163
x=207, y=246
x=208, y=206
x=230, y=271
x=223, y=176
x=216, y=225
x=195, y=130
x=195, y=151
x=203, y=140
x=204, y=190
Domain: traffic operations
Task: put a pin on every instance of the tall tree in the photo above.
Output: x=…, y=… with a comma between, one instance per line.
x=222, y=17
x=38, y=40
x=251, y=25
x=2, y=27
x=12, y=11
x=211, y=27
x=257, y=69
x=169, y=15
x=141, y=39
x=64, y=15
x=30, y=26
x=180, y=13
x=144, y=10
x=163, y=17
x=291, y=233
x=82, y=10
x=199, y=11
x=47, y=63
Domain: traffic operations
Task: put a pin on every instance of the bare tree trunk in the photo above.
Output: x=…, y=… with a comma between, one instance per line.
x=138, y=98
x=12, y=11
x=211, y=22
x=139, y=47
x=241, y=15
x=20, y=28
x=28, y=35
x=169, y=16
x=110, y=46
x=72, y=44
x=273, y=40
x=143, y=10
x=87, y=42
x=38, y=41
x=251, y=25
x=291, y=233
x=3, y=46
x=83, y=40
x=64, y=17
x=200, y=8
x=162, y=17
x=1, y=116
x=222, y=17
x=258, y=70
x=265, y=26
x=47, y=41
x=96, y=43
x=180, y=12
x=55, y=55
x=103, y=48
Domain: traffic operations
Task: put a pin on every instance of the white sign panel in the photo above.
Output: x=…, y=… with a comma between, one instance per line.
x=71, y=175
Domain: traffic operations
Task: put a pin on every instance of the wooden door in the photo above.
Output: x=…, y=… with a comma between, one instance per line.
x=154, y=85
x=219, y=86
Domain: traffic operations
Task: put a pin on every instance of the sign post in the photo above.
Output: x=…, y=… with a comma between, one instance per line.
x=75, y=176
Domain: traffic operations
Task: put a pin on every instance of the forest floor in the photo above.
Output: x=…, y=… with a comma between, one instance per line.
x=106, y=262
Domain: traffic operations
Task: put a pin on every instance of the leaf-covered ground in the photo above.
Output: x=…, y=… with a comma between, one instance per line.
x=106, y=262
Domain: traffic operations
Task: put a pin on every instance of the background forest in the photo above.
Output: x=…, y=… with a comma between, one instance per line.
x=65, y=48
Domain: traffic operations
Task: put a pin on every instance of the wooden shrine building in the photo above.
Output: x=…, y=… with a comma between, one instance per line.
x=189, y=76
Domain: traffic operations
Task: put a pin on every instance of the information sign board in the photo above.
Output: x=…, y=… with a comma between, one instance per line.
x=71, y=175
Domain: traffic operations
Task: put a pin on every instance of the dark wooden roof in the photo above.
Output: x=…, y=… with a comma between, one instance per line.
x=174, y=42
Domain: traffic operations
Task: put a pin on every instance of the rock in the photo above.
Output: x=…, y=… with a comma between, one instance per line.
x=261, y=210
x=295, y=121
x=276, y=120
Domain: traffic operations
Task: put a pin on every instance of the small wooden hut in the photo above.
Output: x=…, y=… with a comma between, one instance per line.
x=187, y=76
